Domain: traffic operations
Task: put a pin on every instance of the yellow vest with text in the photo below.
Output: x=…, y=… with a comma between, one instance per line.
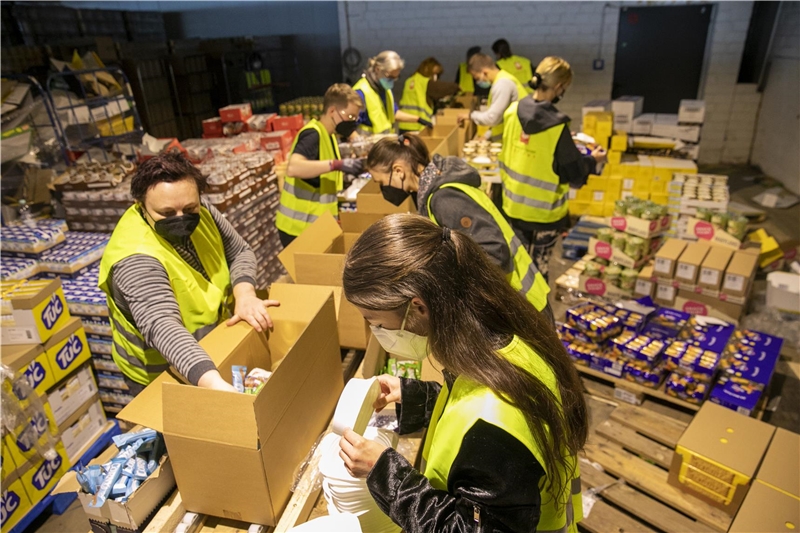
x=301, y=204
x=525, y=278
x=465, y=79
x=203, y=303
x=497, y=131
x=531, y=188
x=381, y=115
x=415, y=102
x=458, y=410
x=519, y=67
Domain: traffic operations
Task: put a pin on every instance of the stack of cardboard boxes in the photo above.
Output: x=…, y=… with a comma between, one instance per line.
x=49, y=347
x=700, y=278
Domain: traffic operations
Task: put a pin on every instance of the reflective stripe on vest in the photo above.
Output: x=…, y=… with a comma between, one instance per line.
x=520, y=68
x=415, y=101
x=497, y=131
x=457, y=411
x=531, y=188
x=301, y=203
x=525, y=277
x=381, y=115
x=465, y=80
x=202, y=303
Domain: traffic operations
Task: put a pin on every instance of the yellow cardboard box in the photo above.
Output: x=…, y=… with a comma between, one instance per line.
x=45, y=426
x=584, y=194
x=578, y=208
x=596, y=209
x=614, y=155
x=642, y=195
x=67, y=349
x=660, y=198
x=608, y=209
x=614, y=186
x=15, y=503
x=619, y=141
x=31, y=361
x=39, y=310
x=43, y=475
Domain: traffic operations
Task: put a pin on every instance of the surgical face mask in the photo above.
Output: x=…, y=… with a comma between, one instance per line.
x=394, y=195
x=401, y=342
x=483, y=84
x=387, y=83
x=178, y=228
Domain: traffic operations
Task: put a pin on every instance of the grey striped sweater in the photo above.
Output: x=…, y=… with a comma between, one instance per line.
x=141, y=290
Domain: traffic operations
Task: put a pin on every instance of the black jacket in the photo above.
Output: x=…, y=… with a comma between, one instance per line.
x=493, y=475
x=571, y=166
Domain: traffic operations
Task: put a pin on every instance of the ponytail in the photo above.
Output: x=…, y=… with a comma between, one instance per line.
x=408, y=148
x=550, y=72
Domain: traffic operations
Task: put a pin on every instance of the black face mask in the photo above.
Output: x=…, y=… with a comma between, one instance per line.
x=557, y=99
x=178, y=228
x=346, y=128
x=394, y=195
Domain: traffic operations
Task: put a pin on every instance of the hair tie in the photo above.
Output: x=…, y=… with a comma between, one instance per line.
x=402, y=139
x=538, y=78
x=446, y=234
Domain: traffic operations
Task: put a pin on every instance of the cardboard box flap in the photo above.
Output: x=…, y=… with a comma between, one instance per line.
x=73, y=325
x=20, y=355
x=319, y=269
x=19, y=302
x=781, y=466
x=317, y=238
x=145, y=409
x=358, y=222
x=68, y=483
x=209, y=415
x=298, y=304
x=766, y=510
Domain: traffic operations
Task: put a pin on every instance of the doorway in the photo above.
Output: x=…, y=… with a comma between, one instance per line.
x=660, y=53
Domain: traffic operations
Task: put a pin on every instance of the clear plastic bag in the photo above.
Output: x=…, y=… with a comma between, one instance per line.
x=24, y=416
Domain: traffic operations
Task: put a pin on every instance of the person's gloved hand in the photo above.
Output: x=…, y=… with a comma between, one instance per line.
x=349, y=166
x=425, y=123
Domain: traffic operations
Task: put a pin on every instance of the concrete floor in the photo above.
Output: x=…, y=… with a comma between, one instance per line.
x=745, y=183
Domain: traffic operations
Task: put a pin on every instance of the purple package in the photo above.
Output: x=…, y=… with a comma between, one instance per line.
x=665, y=324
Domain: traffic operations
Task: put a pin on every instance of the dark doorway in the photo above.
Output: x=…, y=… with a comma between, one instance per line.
x=660, y=54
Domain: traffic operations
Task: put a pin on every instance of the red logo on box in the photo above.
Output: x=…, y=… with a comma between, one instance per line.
x=665, y=221
x=619, y=223
x=704, y=230
x=695, y=308
x=602, y=249
x=653, y=225
x=595, y=286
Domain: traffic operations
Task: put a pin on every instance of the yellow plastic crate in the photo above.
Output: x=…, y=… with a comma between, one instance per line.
x=619, y=141
x=608, y=209
x=614, y=155
x=596, y=209
x=614, y=186
x=578, y=208
x=596, y=182
x=642, y=195
x=660, y=198
x=584, y=194
x=713, y=477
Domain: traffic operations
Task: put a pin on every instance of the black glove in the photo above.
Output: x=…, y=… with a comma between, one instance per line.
x=352, y=166
x=425, y=123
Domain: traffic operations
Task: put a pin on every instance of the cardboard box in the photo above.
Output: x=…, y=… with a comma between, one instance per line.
x=665, y=294
x=72, y=393
x=43, y=475
x=134, y=513
x=709, y=305
x=666, y=259
x=39, y=310
x=718, y=455
x=690, y=261
x=277, y=140
x=236, y=113
x=595, y=106
x=598, y=287
x=640, y=227
x=766, y=510
x=234, y=455
x=645, y=285
x=212, y=127
x=643, y=124
x=67, y=349
x=15, y=502
x=83, y=427
x=7, y=464
x=604, y=250
x=707, y=232
x=45, y=427
x=741, y=269
x=30, y=360
x=781, y=464
x=690, y=134
x=692, y=112
x=625, y=109
x=665, y=125
x=713, y=267
x=291, y=122
x=370, y=200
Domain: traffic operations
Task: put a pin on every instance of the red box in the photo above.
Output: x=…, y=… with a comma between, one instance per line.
x=293, y=122
x=213, y=127
x=262, y=123
x=277, y=140
x=236, y=113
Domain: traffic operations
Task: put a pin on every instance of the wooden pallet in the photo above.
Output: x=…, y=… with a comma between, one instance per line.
x=635, y=445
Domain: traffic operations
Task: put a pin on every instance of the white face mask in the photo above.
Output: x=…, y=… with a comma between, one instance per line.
x=400, y=342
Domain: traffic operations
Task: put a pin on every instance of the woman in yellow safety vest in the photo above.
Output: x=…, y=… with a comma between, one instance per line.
x=539, y=162
x=421, y=91
x=380, y=113
x=518, y=66
x=447, y=190
x=170, y=271
x=505, y=428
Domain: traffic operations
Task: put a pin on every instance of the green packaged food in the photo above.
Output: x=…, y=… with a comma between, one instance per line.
x=601, y=261
x=636, y=209
x=627, y=279
x=737, y=226
x=592, y=270
x=605, y=235
x=611, y=275
x=650, y=212
x=720, y=220
x=634, y=248
x=619, y=241
x=620, y=208
x=704, y=214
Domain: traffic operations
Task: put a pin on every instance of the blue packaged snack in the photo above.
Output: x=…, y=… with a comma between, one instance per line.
x=123, y=440
x=712, y=337
x=608, y=363
x=596, y=323
x=666, y=324
x=686, y=388
x=108, y=483
x=239, y=372
x=641, y=373
x=140, y=472
x=735, y=396
x=569, y=333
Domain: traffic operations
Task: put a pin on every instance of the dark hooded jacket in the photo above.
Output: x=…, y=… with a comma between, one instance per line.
x=571, y=166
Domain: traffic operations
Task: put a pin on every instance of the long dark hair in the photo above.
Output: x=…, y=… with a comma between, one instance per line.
x=473, y=313
x=408, y=148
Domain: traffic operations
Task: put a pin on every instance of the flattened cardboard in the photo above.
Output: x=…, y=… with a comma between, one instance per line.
x=666, y=259
x=370, y=200
x=766, y=510
x=713, y=267
x=690, y=260
x=780, y=468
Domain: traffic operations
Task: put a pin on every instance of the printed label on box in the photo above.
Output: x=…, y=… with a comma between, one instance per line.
x=595, y=286
x=709, y=276
x=663, y=265
x=686, y=271
x=734, y=282
x=597, y=196
x=627, y=184
x=665, y=292
x=573, y=193
x=602, y=249
x=643, y=287
x=626, y=396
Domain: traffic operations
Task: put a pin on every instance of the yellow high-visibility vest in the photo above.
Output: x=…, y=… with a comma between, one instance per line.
x=415, y=102
x=519, y=67
x=381, y=116
x=465, y=79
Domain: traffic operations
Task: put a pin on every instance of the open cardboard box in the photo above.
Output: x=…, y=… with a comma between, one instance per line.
x=442, y=140
x=317, y=256
x=234, y=455
x=370, y=200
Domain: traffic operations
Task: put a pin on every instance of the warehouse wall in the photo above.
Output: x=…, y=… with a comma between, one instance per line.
x=777, y=140
x=569, y=29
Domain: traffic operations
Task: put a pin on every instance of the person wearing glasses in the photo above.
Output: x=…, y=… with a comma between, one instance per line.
x=381, y=114
x=314, y=175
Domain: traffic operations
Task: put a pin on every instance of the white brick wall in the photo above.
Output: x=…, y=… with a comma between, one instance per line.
x=568, y=29
x=776, y=148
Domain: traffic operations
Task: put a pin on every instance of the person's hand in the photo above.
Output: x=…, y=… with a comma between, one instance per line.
x=600, y=155
x=390, y=391
x=359, y=454
x=253, y=310
x=426, y=123
x=349, y=166
x=212, y=380
x=462, y=118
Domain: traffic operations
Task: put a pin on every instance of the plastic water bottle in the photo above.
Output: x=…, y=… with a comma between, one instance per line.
x=25, y=214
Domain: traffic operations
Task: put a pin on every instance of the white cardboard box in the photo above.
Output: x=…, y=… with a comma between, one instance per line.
x=72, y=393
x=689, y=134
x=665, y=125
x=627, y=108
x=692, y=111
x=88, y=426
x=643, y=124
